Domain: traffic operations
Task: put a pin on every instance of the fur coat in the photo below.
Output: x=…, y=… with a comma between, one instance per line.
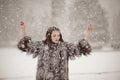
x=53, y=59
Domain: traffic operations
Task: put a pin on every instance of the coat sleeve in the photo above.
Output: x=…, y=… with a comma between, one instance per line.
x=81, y=48
x=30, y=47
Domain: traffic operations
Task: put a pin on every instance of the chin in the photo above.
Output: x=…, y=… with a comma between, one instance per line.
x=56, y=42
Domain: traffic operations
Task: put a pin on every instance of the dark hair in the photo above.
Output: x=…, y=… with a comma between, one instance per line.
x=48, y=35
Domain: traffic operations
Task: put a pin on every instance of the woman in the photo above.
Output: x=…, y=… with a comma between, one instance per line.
x=53, y=53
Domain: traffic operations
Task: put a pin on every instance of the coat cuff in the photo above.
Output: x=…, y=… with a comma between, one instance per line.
x=84, y=47
x=23, y=43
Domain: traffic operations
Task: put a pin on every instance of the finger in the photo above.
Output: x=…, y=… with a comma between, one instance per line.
x=21, y=23
x=88, y=28
x=91, y=28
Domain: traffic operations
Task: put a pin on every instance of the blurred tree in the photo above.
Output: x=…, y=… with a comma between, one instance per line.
x=9, y=16
x=116, y=31
x=85, y=12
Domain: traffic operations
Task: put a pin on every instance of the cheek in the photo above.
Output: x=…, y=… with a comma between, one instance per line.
x=58, y=37
x=53, y=38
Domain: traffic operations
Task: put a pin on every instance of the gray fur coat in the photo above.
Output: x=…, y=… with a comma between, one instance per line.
x=53, y=59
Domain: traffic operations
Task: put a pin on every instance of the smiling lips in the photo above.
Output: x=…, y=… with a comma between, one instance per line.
x=56, y=40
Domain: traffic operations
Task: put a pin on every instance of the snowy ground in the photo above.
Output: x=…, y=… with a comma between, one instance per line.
x=101, y=65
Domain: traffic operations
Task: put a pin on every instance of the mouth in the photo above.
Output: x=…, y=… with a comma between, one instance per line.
x=56, y=40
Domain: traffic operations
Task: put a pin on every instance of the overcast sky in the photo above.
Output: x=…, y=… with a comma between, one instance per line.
x=112, y=6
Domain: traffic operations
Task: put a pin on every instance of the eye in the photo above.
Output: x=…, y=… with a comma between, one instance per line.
x=58, y=35
x=54, y=35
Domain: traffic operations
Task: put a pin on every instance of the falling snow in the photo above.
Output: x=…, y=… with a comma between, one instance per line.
x=72, y=17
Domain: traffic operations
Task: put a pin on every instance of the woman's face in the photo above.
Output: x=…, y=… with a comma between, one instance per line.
x=55, y=36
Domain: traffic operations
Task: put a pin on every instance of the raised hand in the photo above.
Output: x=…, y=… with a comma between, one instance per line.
x=89, y=30
x=22, y=25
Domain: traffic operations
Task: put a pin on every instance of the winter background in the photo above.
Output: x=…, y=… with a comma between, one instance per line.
x=72, y=17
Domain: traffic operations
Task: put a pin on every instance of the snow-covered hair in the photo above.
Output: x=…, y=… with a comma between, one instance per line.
x=48, y=35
